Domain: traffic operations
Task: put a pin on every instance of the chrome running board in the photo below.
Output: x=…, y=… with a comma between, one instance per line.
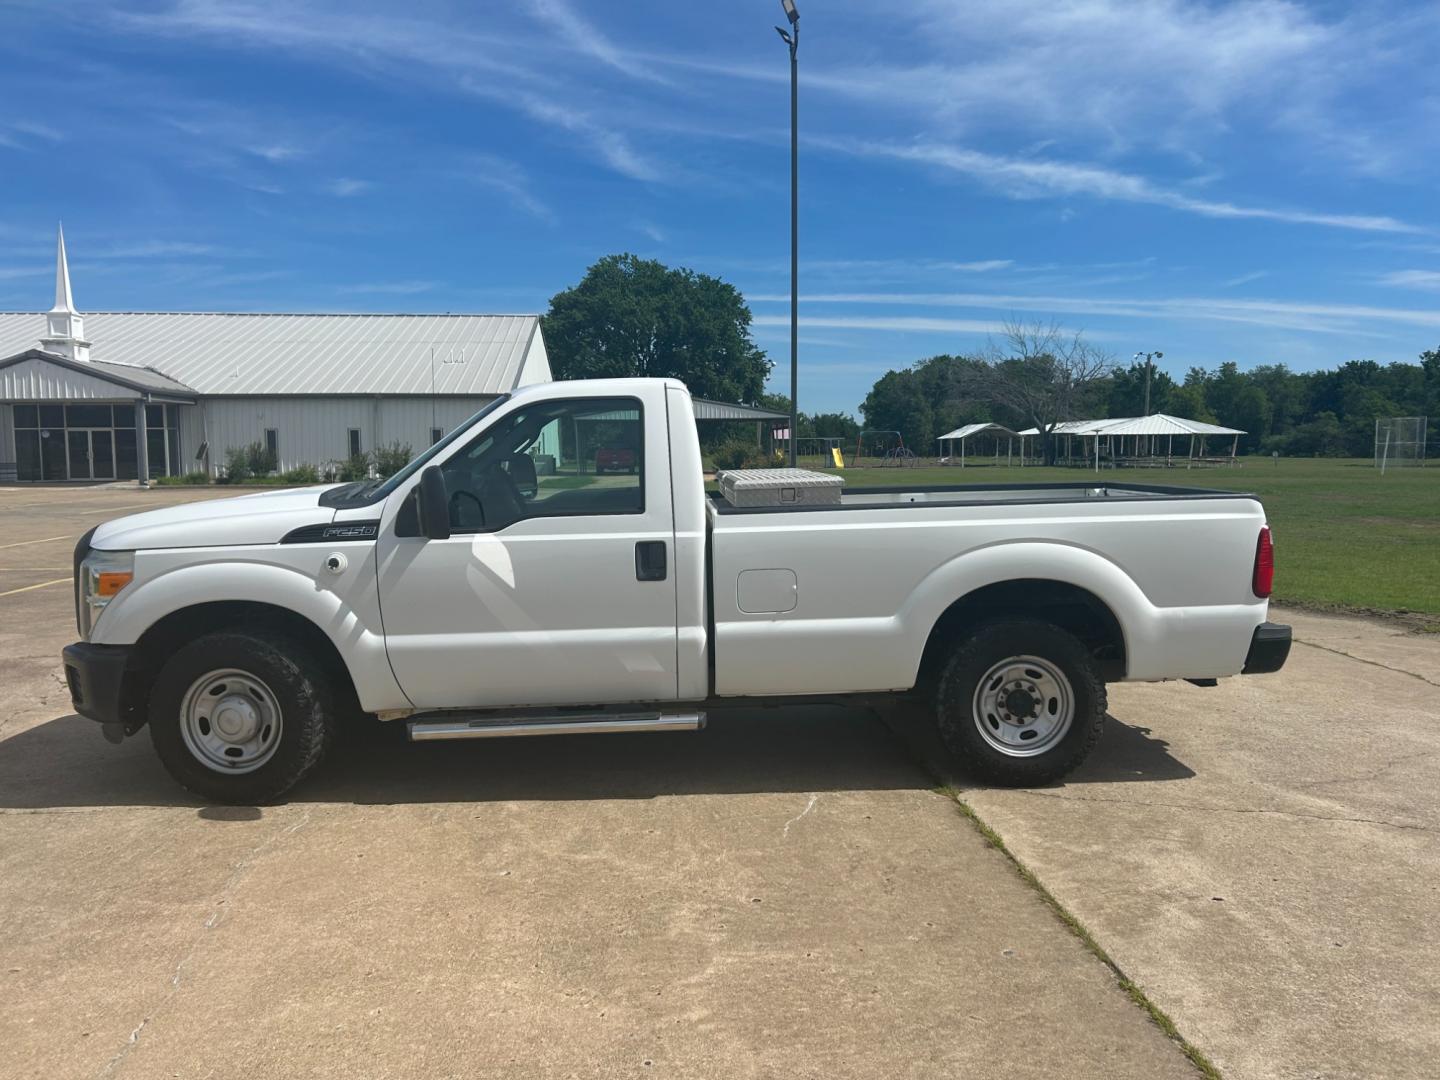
x=566, y=724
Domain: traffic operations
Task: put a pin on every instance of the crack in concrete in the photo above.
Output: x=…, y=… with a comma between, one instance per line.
x=1362, y=660
x=785, y=832
x=238, y=873
x=1228, y=810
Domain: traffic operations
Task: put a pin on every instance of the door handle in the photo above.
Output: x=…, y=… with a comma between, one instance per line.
x=650, y=563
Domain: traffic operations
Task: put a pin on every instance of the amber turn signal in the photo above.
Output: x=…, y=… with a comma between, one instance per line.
x=111, y=582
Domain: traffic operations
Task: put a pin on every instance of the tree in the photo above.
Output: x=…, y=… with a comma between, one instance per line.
x=1127, y=391
x=1043, y=374
x=637, y=317
x=897, y=402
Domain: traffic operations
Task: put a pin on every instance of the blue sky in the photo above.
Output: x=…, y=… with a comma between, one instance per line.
x=1249, y=181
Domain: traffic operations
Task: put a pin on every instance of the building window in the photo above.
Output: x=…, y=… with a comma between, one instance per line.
x=272, y=446
x=436, y=434
x=355, y=442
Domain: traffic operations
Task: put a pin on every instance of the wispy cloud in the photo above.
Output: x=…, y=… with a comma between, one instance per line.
x=654, y=232
x=388, y=47
x=1427, y=280
x=508, y=178
x=346, y=187
x=583, y=36
x=1245, y=279
x=1294, y=315
x=1023, y=178
x=394, y=288
x=276, y=152
x=10, y=273
x=612, y=146
x=157, y=249
x=884, y=322
x=27, y=135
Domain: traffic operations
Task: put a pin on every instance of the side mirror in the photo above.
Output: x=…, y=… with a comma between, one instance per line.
x=434, y=504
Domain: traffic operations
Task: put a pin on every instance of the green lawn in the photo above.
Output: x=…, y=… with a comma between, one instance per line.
x=1345, y=536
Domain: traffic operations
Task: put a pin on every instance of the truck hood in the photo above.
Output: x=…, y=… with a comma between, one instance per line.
x=261, y=518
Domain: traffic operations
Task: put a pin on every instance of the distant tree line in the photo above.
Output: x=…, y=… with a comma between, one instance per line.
x=1324, y=413
x=633, y=316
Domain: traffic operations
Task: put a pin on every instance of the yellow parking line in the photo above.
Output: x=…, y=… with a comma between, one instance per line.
x=42, y=585
x=46, y=540
x=29, y=569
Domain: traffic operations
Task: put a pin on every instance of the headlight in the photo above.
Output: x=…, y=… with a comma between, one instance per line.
x=102, y=575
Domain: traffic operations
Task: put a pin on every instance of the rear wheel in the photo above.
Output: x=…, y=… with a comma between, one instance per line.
x=241, y=718
x=1020, y=702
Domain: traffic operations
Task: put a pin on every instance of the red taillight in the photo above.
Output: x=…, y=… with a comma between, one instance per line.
x=1263, y=580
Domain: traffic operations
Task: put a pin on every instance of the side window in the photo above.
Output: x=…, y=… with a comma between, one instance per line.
x=551, y=459
x=354, y=440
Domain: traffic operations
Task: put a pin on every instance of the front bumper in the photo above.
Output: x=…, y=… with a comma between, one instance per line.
x=1269, y=647
x=95, y=675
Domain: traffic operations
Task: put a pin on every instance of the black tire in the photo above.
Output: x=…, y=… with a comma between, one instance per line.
x=301, y=692
x=974, y=657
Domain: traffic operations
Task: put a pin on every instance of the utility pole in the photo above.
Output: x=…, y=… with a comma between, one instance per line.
x=1150, y=358
x=792, y=40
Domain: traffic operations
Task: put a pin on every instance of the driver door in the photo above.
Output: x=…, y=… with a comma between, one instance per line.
x=557, y=585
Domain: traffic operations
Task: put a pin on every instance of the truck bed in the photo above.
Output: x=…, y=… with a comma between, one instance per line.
x=808, y=598
x=898, y=497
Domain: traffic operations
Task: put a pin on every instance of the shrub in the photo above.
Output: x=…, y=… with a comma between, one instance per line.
x=739, y=454
x=260, y=460
x=301, y=474
x=352, y=468
x=389, y=460
x=237, y=466
x=187, y=479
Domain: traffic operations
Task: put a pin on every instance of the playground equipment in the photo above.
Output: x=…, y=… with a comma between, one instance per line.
x=819, y=452
x=878, y=448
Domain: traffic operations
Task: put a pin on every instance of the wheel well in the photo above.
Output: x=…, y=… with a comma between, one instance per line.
x=169, y=634
x=1068, y=606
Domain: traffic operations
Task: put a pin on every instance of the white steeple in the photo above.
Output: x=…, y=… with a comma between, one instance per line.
x=65, y=327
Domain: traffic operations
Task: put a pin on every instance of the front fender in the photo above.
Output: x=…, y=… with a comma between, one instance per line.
x=342, y=606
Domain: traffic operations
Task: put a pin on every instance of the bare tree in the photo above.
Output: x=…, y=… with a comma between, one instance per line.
x=1043, y=372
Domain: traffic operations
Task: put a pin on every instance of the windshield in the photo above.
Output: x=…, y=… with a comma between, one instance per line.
x=375, y=490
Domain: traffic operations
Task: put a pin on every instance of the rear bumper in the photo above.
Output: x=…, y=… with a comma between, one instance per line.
x=1269, y=647
x=95, y=675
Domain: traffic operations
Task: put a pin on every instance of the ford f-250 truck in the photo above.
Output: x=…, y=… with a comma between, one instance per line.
x=467, y=605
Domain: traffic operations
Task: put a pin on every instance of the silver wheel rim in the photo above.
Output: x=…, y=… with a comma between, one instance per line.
x=230, y=721
x=1023, y=706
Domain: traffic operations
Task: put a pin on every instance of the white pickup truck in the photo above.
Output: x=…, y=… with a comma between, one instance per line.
x=512, y=580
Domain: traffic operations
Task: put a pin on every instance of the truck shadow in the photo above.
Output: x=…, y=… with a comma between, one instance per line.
x=1125, y=753
x=66, y=763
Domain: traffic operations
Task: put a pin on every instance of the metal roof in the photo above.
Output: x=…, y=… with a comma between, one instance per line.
x=1148, y=425
x=1154, y=424
x=978, y=429
x=220, y=353
x=15, y=369
x=723, y=410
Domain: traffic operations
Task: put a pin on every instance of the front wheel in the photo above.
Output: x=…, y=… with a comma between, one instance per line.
x=1020, y=702
x=241, y=718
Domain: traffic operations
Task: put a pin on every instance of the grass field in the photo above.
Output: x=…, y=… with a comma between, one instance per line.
x=1345, y=536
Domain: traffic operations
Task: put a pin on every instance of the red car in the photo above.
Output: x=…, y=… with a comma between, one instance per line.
x=615, y=459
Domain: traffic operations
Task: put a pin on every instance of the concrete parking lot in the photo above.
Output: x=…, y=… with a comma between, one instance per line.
x=781, y=895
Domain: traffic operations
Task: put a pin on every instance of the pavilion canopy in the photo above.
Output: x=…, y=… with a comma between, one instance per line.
x=967, y=430
x=1155, y=424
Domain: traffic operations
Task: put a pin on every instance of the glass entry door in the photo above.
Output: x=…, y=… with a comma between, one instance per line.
x=91, y=453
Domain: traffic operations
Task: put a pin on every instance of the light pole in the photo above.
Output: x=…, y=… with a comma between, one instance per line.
x=792, y=40
x=1150, y=358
